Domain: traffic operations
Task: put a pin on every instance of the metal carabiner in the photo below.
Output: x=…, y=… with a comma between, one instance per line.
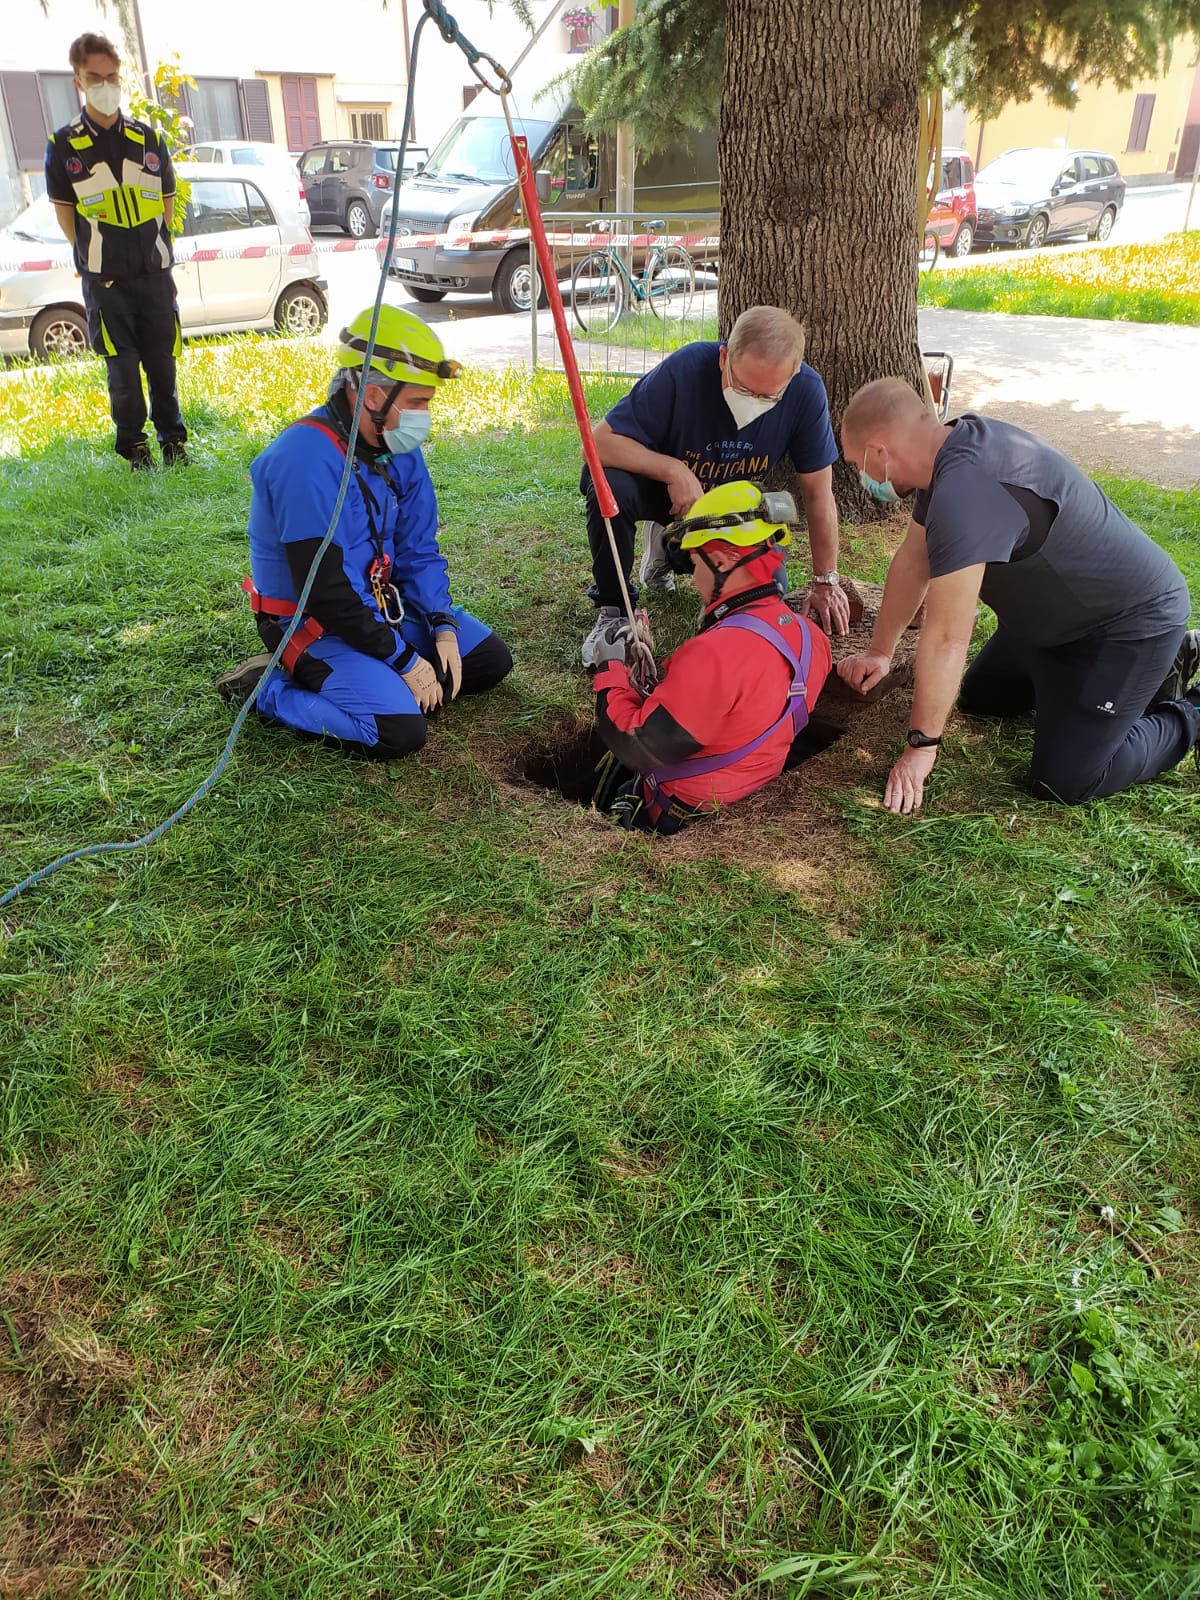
x=387, y=598
x=504, y=84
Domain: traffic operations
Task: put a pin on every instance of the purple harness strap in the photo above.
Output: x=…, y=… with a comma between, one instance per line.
x=701, y=766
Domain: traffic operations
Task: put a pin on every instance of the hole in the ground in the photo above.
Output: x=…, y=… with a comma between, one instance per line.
x=568, y=765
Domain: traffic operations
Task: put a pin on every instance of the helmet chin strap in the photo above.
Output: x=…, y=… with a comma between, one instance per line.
x=721, y=575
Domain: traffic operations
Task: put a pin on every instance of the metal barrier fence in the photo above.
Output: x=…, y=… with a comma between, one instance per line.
x=635, y=286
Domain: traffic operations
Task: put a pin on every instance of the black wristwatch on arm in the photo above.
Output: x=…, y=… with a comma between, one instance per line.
x=922, y=741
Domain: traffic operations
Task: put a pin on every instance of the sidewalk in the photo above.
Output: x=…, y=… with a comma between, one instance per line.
x=1117, y=397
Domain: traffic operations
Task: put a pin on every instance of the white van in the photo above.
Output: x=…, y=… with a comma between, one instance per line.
x=238, y=267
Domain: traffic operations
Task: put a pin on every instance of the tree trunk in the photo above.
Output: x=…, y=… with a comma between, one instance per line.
x=818, y=145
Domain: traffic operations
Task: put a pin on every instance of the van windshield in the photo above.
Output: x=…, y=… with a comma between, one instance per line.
x=477, y=150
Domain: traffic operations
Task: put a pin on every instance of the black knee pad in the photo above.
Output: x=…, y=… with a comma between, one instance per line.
x=399, y=735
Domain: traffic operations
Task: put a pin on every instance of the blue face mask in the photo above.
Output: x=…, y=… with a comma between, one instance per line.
x=410, y=432
x=884, y=492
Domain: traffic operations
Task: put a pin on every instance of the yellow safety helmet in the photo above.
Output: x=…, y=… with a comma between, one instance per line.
x=739, y=513
x=406, y=349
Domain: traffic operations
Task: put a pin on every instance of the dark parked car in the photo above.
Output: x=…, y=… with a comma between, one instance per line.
x=346, y=181
x=1028, y=196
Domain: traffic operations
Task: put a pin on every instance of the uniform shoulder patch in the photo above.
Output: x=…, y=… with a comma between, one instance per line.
x=74, y=166
x=152, y=161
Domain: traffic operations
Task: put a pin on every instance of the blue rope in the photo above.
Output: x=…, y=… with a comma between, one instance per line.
x=435, y=11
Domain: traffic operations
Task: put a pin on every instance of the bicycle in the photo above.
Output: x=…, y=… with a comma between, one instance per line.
x=602, y=283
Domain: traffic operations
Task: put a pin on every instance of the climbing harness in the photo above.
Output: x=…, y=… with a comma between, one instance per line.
x=657, y=800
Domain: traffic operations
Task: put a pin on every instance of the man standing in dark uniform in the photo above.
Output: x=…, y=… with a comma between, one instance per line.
x=113, y=189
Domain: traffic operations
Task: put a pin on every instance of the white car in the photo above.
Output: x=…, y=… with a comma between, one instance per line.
x=256, y=153
x=237, y=268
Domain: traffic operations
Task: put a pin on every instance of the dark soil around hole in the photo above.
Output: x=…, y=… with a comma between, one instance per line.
x=847, y=736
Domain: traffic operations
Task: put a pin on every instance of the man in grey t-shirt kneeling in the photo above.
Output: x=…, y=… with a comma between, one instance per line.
x=1091, y=614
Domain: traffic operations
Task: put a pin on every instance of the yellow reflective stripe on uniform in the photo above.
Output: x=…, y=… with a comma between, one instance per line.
x=134, y=133
x=84, y=143
x=177, y=347
x=110, y=348
x=124, y=206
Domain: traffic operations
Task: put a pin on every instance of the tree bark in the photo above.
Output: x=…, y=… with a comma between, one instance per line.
x=818, y=144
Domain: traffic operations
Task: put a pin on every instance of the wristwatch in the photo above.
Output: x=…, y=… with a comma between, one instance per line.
x=827, y=577
x=922, y=741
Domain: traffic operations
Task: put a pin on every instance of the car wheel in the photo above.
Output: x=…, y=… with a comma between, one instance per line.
x=964, y=239
x=59, y=334
x=1035, y=233
x=427, y=297
x=358, y=220
x=1105, y=226
x=512, y=289
x=301, y=311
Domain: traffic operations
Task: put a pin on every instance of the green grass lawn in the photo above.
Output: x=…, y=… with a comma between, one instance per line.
x=1155, y=282
x=412, y=1187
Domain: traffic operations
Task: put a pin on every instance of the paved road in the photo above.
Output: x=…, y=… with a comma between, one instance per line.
x=1117, y=397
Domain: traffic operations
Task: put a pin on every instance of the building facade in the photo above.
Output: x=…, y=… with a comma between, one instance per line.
x=1152, y=128
x=291, y=77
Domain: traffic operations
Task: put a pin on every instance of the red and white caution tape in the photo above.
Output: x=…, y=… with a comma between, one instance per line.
x=418, y=241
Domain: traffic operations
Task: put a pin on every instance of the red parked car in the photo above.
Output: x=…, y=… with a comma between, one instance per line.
x=953, y=215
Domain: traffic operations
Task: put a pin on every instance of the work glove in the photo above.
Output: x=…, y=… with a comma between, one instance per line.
x=612, y=644
x=423, y=681
x=449, y=662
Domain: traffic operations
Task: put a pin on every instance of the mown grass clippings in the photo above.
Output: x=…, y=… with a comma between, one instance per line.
x=1126, y=283
x=410, y=1185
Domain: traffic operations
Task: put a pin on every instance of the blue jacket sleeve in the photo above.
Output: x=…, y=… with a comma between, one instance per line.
x=58, y=185
x=299, y=477
x=166, y=170
x=420, y=570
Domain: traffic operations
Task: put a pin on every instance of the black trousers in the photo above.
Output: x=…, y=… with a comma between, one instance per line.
x=1094, y=735
x=134, y=324
x=640, y=500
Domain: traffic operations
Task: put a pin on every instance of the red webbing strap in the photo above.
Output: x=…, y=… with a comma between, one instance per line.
x=309, y=631
x=604, y=495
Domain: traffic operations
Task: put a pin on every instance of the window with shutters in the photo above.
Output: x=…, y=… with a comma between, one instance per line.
x=215, y=109
x=1139, y=128
x=60, y=98
x=368, y=124
x=301, y=114
x=27, y=124
x=256, y=110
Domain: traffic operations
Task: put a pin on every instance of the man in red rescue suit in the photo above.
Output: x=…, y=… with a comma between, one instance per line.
x=113, y=189
x=722, y=719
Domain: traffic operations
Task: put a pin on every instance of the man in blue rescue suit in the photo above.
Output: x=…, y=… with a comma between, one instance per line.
x=721, y=722
x=382, y=645
x=113, y=189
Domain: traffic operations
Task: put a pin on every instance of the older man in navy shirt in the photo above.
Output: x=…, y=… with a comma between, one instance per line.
x=708, y=414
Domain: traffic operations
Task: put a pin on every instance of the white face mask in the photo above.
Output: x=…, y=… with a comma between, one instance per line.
x=746, y=408
x=104, y=98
